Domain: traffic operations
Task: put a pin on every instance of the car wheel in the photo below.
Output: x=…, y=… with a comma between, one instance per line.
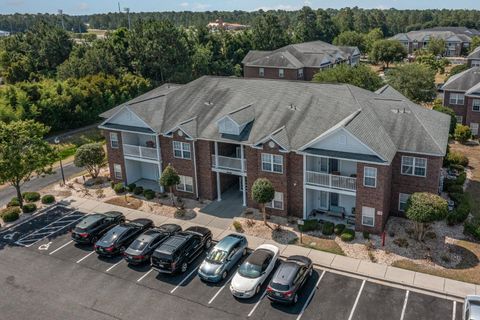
x=224, y=275
x=184, y=267
x=208, y=243
x=295, y=298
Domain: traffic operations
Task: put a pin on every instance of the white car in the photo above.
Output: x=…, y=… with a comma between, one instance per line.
x=254, y=270
x=471, y=308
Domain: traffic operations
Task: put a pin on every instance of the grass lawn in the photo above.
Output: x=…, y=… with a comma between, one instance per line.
x=327, y=245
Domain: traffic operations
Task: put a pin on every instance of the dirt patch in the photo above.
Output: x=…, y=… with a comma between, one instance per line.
x=126, y=201
x=319, y=243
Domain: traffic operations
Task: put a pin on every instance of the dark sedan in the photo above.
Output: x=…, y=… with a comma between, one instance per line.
x=94, y=226
x=121, y=236
x=289, y=279
x=142, y=248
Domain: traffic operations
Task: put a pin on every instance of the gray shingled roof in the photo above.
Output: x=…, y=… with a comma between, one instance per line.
x=475, y=54
x=295, y=113
x=459, y=34
x=463, y=81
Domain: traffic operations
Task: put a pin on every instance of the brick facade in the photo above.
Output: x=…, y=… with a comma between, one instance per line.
x=115, y=155
x=465, y=110
x=271, y=73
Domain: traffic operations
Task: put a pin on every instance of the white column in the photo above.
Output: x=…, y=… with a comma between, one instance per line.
x=195, y=168
x=219, y=190
x=304, y=188
x=159, y=155
x=242, y=157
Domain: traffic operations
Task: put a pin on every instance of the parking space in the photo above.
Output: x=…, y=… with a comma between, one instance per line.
x=420, y=306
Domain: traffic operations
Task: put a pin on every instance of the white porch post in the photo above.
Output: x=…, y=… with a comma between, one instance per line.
x=242, y=157
x=304, y=187
x=159, y=155
x=219, y=190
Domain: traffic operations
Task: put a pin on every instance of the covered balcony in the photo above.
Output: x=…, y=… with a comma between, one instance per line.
x=141, y=146
x=229, y=158
x=331, y=173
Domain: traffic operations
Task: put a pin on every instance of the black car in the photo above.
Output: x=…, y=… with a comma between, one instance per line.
x=178, y=251
x=117, y=239
x=289, y=278
x=142, y=248
x=94, y=226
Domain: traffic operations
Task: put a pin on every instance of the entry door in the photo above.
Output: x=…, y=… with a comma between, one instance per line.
x=322, y=200
x=333, y=165
x=334, y=199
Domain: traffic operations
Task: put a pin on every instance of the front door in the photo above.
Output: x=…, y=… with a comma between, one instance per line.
x=322, y=200
x=333, y=165
x=334, y=199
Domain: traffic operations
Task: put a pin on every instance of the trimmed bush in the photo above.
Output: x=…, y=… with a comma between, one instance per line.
x=308, y=225
x=29, y=207
x=48, y=198
x=339, y=229
x=11, y=214
x=462, y=133
x=149, y=194
x=472, y=228
x=457, y=167
x=131, y=187
x=456, y=158
x=13, y=202
x=453, y=188
x=327, y=228
x=366, y=235
x=461, y=179
x=238, y=226
x=461, y=212
x=347, y=235
x=138, y=190
x=119, y=188
x=31, y=196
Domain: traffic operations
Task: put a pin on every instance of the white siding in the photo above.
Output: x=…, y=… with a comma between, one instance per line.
x=127, y=118
x=226, y=125
x=342, y=140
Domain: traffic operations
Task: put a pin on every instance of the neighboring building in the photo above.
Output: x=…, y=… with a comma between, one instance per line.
x=462, y=94
x=473, y=59
x=456, y=38
x=220, y=25
x=329, y=149
x=297, y=61
x=4, y=33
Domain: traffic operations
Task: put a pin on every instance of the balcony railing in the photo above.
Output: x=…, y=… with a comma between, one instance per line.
x=140, y=152
x=331, y=181
x=228, y=163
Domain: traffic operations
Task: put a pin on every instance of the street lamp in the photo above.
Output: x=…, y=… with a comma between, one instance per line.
x=127, y=10
x=57, y=142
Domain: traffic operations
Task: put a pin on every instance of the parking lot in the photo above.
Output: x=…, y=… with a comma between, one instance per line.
x=326, y=295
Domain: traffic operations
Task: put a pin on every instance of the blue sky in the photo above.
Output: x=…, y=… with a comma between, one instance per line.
x=100, y=6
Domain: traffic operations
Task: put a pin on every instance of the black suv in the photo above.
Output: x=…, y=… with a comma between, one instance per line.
x=289, y=278
x=178, y=251
x=121, y=236
x=93, y=226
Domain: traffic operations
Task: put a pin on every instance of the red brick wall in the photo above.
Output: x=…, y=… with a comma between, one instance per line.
x=295, y=185
x=410, y=184
x=115, y=155
x=460, y=110
x=308, y=73
x=269, y=73
x=206, y=177
x=472, y=116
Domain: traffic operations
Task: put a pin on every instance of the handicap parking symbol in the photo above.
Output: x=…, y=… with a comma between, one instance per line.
x=44, y=246
x=10, y=235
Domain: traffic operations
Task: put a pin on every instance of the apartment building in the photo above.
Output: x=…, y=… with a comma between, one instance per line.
x=473, y=59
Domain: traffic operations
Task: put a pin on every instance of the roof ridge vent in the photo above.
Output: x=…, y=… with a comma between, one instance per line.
x=209, y=103
x=292, y=107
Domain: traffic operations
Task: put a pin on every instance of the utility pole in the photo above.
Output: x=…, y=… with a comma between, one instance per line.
x=60, y=12
x=127, y=10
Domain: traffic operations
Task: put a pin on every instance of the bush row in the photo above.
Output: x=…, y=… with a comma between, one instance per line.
x=10, y=214
x=329, y=228
x=119, y=187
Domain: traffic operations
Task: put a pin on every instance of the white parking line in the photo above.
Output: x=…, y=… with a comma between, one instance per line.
x=146, y=274
x=310, y=296
x=60, y=248
x=258, y=302
x=404, y=305
x=220, y=290
x=454, y=311
x=356, y=300
x=183, y=280
x=116, y=264
x=88, y=255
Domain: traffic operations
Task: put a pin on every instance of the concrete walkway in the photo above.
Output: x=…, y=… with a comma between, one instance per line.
x=220, y=227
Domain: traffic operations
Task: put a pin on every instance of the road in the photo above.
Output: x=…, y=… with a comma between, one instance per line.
x=39, y=183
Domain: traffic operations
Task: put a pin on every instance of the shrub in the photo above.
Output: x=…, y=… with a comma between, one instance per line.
x=366, y=235
x=456, y=158
x=425, y=207
x=472, y=228
x=48, y=198
x=327, y=228
x=131, y=187
x=339, y=229
x=138, y=190
x=308, y=225
x=347, y=235
x=457, y=167
x=462, y=133
x=461, y=212
x=461, y=179
x=11, y=214
x=13, y=202
x=112, y=184
x=31, y=196
x=401, y=242
x=119, y=188
x=238, y=226
x=457, y=197
x=149, y=194
x=453, y=188
x=29, y=207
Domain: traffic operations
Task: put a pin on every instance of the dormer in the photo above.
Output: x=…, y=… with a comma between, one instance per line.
x=235, y=122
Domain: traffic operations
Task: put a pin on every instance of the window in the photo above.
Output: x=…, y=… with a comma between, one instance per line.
x=114, y=140
x=459, y=119
x=117, y=171
x=272, y=163
x=300, y=73
x=474, y=128
x=261, y=72
x=368, y=216
x=281, y=73
x=181, y=150
x=402, y=201
x=457, y=98
x=370, y=177
x=413, y=166
x=476, y=63
x=277, y=202
x=186, y=184
x=476, y=105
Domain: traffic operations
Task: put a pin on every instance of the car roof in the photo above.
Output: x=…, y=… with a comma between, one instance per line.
x=259, y=256
x=286, y=272
x=139, y=222
x=228, y=242
x=89, y=219
x=113, y=213
x=173, y=243
x=198, y=230
x=299, y=259
x=474, y=309
x=170, y=227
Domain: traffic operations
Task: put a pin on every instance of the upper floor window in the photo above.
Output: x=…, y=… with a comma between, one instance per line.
x=281, y=73
x=413, y=166
x=277, y=202
x=114, y=140
x=476, y=105
x=261, y=72
x=300, y=73
x=181, y=150
x=457, y=98
x=370, y=177
x=272, y=163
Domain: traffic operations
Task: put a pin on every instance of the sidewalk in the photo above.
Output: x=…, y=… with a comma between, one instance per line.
x=220, y=227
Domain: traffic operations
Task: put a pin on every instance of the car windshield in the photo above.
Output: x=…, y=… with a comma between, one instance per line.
x=138, y=245
x=249, y=270
x=216, y=256
x=279, y=286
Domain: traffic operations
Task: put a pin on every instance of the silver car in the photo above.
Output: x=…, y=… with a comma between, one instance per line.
x=471, y=308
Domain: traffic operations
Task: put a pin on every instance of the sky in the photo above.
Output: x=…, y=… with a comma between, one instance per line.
x=79, y=7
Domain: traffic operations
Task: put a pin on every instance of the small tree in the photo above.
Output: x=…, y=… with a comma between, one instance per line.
x=91, y=156
x=436, y=46
x=462, y=133
x=23, y=153
x=263, y=193
x=387, y=51
x=361, y=76
x=424, y=207
x=415, y=81
x=170, y=179
x=437, y=106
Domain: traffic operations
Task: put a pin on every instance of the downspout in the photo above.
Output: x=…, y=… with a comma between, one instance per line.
x=159, y=155
x=195, y=168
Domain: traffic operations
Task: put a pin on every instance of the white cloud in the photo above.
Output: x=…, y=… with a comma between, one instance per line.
x=83, y=6
x=184, y=4
x=285, y=7
x=201, y=6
